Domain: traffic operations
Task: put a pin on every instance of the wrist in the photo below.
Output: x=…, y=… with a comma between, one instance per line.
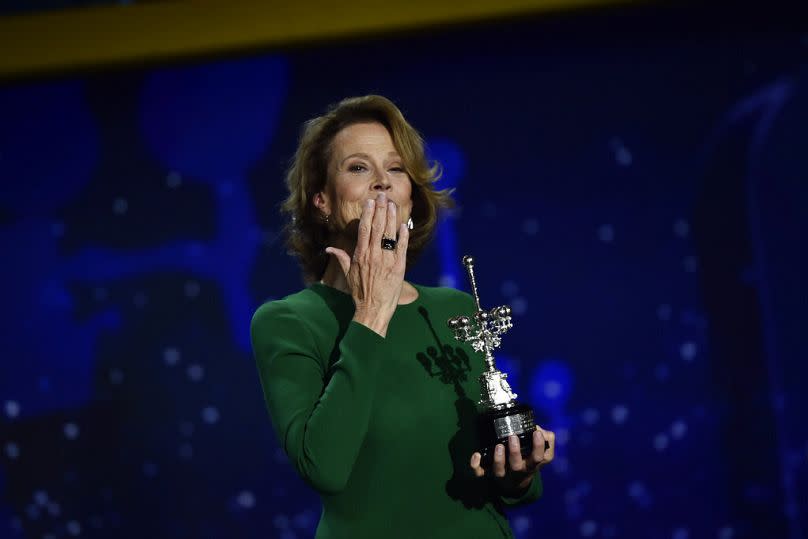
x=374, y=323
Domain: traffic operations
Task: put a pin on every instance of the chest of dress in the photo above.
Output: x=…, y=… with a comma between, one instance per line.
x=427, y=388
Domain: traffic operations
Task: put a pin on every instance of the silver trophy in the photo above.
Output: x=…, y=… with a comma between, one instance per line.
x=499, y=414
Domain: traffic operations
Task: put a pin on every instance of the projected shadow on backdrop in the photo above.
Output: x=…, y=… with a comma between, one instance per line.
x=103, y=471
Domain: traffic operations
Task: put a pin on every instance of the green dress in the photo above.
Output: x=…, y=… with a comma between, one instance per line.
x=382, y=428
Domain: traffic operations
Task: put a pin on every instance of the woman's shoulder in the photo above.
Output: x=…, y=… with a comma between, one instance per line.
x=443, y=294
x=315, y=313
x=288, y=310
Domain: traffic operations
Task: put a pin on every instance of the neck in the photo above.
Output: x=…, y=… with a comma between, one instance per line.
x=334, y=276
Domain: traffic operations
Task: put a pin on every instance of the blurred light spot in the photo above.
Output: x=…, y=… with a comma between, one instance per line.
x=186, y=428
x=727, y=532
x=519, y=305
x=588, y=528
x=115, y=376
x=562, y=436
x=590, y=416
x=552, y=389
x=12, y=409
x=210, y=415
x=678, y=429
x=509, y=288
x=660, y=442
x=280, y=521
x=680, y=533
x=606, y=233
x=195, y=372
x=688, y=350
x=681, y=228
x=550, y=385
x=171, y=356
x=661, y=372
x=186, y=451
x=530, y=226
x=521, y=524
x=71, y=431
x=305, y=520
x=173, y=180
x=32, y=511
x=73, y=528
x=246, y=499
x=191, y=289
x=619, y=414
x=560, y=465
x=41, y=497
x=120, y=206
x=58, y=229
x=140, y=300
x=664, y=311
x=447, y=281
x=636, y=489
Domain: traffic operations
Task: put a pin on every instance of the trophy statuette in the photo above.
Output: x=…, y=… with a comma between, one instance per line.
x=499, y=414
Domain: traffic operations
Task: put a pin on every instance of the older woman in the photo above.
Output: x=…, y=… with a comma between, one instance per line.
x=369, y=394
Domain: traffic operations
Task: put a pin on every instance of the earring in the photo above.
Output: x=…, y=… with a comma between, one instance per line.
x=325, y=218
x=409, y=223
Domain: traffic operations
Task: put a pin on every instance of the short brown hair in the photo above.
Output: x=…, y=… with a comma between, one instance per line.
x=306, y=232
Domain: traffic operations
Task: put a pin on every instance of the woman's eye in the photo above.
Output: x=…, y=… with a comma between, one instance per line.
x=397, y=169
x=357, y=168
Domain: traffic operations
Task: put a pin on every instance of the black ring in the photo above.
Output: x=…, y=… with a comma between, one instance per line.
x=389, y=244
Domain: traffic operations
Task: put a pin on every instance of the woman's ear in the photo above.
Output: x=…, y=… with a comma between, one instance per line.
x=322, y=203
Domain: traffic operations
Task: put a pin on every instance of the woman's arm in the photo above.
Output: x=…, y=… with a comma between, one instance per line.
x=320, y=425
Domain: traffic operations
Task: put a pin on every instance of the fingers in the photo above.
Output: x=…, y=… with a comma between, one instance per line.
x=391, y=226
x=538, y=453
x=365, y=223
x=475, y=465
x=401, y=246
x=499, y=460
x=549, y=436
x=515, y=460
x=342, y=257
x=379, y=223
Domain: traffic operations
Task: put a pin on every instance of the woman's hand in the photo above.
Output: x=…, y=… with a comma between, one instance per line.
x=515, y=476
x=375, y=275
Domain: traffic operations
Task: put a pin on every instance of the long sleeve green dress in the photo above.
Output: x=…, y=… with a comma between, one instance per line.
x=382, y=428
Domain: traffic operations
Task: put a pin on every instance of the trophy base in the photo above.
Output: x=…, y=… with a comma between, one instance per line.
x=498, y=425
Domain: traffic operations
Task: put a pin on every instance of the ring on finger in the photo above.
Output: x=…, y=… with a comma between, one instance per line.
x=388, y=243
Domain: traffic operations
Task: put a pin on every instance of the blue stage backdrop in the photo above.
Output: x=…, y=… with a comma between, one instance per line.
x=637, y=195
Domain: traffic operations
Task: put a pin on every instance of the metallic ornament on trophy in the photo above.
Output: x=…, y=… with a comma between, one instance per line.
x=499, y=414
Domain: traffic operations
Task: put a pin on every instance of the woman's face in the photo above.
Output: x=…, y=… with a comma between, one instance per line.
x=363, y=163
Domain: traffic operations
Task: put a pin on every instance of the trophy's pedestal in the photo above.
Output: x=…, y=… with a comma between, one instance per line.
x=497, y=425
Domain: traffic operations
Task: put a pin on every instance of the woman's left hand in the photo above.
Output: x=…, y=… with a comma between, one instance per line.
x=516, y=472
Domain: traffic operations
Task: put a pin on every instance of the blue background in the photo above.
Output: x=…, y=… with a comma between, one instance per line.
x=637, y=195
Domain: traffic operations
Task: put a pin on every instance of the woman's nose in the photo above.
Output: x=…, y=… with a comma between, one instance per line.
x=382, y=184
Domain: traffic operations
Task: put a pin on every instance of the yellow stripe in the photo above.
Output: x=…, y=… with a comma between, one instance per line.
x=100, y=36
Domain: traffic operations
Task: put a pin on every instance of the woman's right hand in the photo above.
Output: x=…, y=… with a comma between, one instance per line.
x=375, y=275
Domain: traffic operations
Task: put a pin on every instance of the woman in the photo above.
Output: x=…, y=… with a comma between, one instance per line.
x=369, y=394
